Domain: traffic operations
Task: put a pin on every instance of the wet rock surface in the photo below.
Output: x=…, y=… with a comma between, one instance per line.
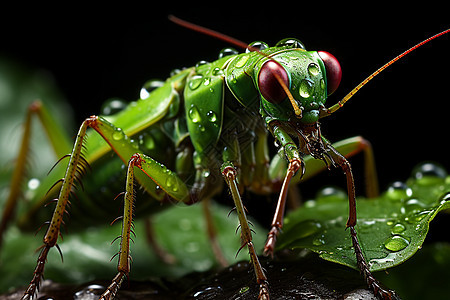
x=306, y=277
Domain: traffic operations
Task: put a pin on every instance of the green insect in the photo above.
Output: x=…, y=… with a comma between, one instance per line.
x=203, y=126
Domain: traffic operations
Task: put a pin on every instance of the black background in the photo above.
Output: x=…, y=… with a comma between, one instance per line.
x=96, y=53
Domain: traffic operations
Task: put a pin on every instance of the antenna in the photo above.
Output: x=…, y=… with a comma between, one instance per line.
x=328, y=111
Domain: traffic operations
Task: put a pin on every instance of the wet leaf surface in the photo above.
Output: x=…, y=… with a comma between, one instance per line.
x=391, y=228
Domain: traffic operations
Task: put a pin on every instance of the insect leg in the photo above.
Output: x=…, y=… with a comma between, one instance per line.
x=229, y=174
x=348, y=148
x=161, y=253
x=124, y=263
x=295, y=164
x=277, y=222
x=212, y=234
x=53, y=230
x=60, y=144
x=379, y=291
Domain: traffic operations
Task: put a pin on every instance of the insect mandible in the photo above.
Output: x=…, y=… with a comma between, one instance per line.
x=217, y=118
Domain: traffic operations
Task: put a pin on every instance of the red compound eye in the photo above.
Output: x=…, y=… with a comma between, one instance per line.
x=334, y=71
x=268, y=83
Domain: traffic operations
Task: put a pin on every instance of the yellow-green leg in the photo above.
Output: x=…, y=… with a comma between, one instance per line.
x=60, y=144
x=229, y=174
x=127, y=151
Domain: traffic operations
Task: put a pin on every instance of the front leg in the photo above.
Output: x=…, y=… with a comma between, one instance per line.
x=379, y=291
x=295, y=164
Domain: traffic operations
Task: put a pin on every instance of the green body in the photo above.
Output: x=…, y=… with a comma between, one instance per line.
x=189, y=125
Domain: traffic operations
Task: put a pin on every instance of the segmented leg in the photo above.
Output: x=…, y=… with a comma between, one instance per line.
x=124, y=264
x=379, y=291
x=229, y=174
x=348, y=148
x=53, y=230
x=277, y=223
x=125, y=149
x=59, y=143
x=162, y=254
x=212, y=234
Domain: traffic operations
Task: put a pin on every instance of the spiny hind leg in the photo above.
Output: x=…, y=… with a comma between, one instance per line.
x=229, y=174
x=125, y=149
x=76, y=162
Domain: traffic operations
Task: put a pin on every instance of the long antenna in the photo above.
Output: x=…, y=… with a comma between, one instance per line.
x=335, y=107
x=210, y=32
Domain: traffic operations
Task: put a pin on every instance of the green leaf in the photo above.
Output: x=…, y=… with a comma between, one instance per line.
x=180, y=230
x=391, y=228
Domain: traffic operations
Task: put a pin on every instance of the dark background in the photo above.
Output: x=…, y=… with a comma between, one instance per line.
x=103, y=52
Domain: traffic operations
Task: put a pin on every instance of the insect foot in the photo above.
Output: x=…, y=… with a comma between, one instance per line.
x=377, y=288
x=263, y=292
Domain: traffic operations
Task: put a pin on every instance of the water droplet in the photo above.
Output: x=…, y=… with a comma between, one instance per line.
x=147, y=141
x=171, y=183
x=33, y=183
x=201, y=63
x=185, y=224
x=398, y=191
x=429, y=173
x=313, y=69
x=118, y=134
x=414, y=205
x=233, y=78
x=195, y=81
x=207, y=81
x=149, y=87
x=209, y=292
x=192, y=247
x=445, y=198
x=174, y=72
x=306, y=88
x=257, y=45
x=322, y=84
x=112, y=106
x=398, y=228
x=227, y=52
x=90, y=292
x=217, y=72
x=241, y=62
x=194, y=114
x=331, y=194
x=396, y=243
x=211, y=116
x=415, y=218
x=319, y=242
x=291, y=43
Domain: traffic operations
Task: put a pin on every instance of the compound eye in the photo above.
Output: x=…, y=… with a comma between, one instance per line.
x=269, y=84
x=334, y=71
